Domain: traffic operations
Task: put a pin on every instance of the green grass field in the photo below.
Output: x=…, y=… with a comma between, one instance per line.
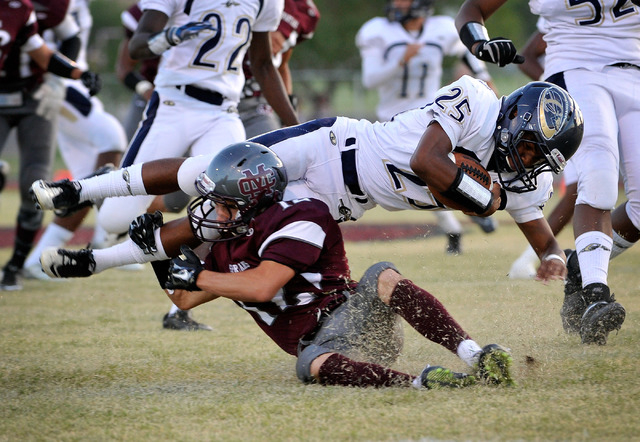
x=87, y=359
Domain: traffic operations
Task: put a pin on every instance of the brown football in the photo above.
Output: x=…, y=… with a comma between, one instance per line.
x=472, y=168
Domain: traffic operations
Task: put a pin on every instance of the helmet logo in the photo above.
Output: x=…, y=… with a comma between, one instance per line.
x=554, y=112
x=255, y=186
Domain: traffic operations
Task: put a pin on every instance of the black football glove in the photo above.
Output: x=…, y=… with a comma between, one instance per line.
x=499, y=50
x=183, y=273
x=92, y=81
x=141, y=231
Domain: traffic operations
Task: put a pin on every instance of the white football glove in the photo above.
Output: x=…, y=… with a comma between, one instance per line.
x=51, y=95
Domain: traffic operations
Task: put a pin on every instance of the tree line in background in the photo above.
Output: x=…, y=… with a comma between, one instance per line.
x=333, y=46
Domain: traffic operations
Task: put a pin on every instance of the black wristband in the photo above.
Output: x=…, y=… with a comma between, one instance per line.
x=161, y=269
x=473, y=32
x=132, y=79
x=469, y=193
x=61, y=65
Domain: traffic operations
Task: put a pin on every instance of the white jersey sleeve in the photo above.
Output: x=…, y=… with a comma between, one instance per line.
x=467, y=111
x=589, y=34
x=527, y=206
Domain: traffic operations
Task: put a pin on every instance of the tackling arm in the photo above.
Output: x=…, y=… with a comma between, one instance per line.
x=552, y=258
x=259, y=284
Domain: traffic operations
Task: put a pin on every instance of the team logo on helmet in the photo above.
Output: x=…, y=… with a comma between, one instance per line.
x=554, y=112
x=255, y=186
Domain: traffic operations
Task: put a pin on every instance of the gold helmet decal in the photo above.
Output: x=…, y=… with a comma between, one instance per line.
x=554, y=111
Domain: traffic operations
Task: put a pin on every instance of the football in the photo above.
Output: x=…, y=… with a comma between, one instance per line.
x=472, y=168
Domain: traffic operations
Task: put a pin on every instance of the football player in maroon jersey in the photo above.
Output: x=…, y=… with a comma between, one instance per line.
x=19, y=102
x=284, y=262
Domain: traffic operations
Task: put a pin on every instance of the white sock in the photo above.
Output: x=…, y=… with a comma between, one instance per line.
x=174, y=309
x=448, y=222
x=53, y=236
x=122, y=182
x=126, y=252
x=619, y=245
x=594, y=252
x=468, y=351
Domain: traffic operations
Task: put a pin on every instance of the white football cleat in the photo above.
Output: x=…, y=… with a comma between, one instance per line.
x=523, y=268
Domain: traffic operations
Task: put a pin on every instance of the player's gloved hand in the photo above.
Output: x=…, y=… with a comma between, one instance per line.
x=51, y=95
x=183, y=273
x=91, y=81
x=499, y=50
x=177, y=34
x=141, y=231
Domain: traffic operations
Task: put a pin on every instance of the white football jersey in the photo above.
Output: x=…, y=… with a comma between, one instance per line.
x=588, y=34
x=382, y=44
x=467, y=110
x=213, y=60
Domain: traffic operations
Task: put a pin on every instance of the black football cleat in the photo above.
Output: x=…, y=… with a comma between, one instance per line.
x=182, y=320
x=434, y=377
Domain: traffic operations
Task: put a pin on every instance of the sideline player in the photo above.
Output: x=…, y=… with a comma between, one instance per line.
x=402, y=58
x=354, y=165
x=88, y=137
x=593, y=51
x=21, y=98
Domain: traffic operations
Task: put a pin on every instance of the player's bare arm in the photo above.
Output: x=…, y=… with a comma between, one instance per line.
x=552, y=258
x=432, y=164
x=477, y=10
x=269, y=79
x=531, y=52
x=150, y=24
x=161, y=176
x=259, y=284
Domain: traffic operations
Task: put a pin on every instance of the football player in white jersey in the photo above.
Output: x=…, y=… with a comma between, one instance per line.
x=193, y=108
x=88, y=138
x=354, y=165
x=402, y=58
x=593, y=50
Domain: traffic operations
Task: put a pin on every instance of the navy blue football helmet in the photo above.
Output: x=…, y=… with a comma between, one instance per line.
x=418, y=8
x=545, y=115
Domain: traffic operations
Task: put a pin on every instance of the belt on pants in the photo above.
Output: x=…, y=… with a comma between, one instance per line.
x=350, y=175
x=204, y=95
x=626, y=66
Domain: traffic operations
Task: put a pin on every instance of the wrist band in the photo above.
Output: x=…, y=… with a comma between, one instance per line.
x=551, y=256
x=158, y=43
x=143, y=87
x=61, y=65
x=473, y=32
x=470, y=193
x=132, y=79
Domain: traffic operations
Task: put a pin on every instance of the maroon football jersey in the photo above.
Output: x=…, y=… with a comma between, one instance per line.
x=300, y=16
x=302, y=235
x=17, y=24
x=130, y=19
x=50, y=13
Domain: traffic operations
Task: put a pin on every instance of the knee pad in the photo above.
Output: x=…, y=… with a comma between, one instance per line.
x=369, y=281
x=305, y=358
x=30, y=218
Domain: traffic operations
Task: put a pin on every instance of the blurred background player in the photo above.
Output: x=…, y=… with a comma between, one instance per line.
x=137, y=75
x=402, y=58
x=23, y=100
x=193, y=106
x=297, y=24
x=593, y=51
x=88, y=138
